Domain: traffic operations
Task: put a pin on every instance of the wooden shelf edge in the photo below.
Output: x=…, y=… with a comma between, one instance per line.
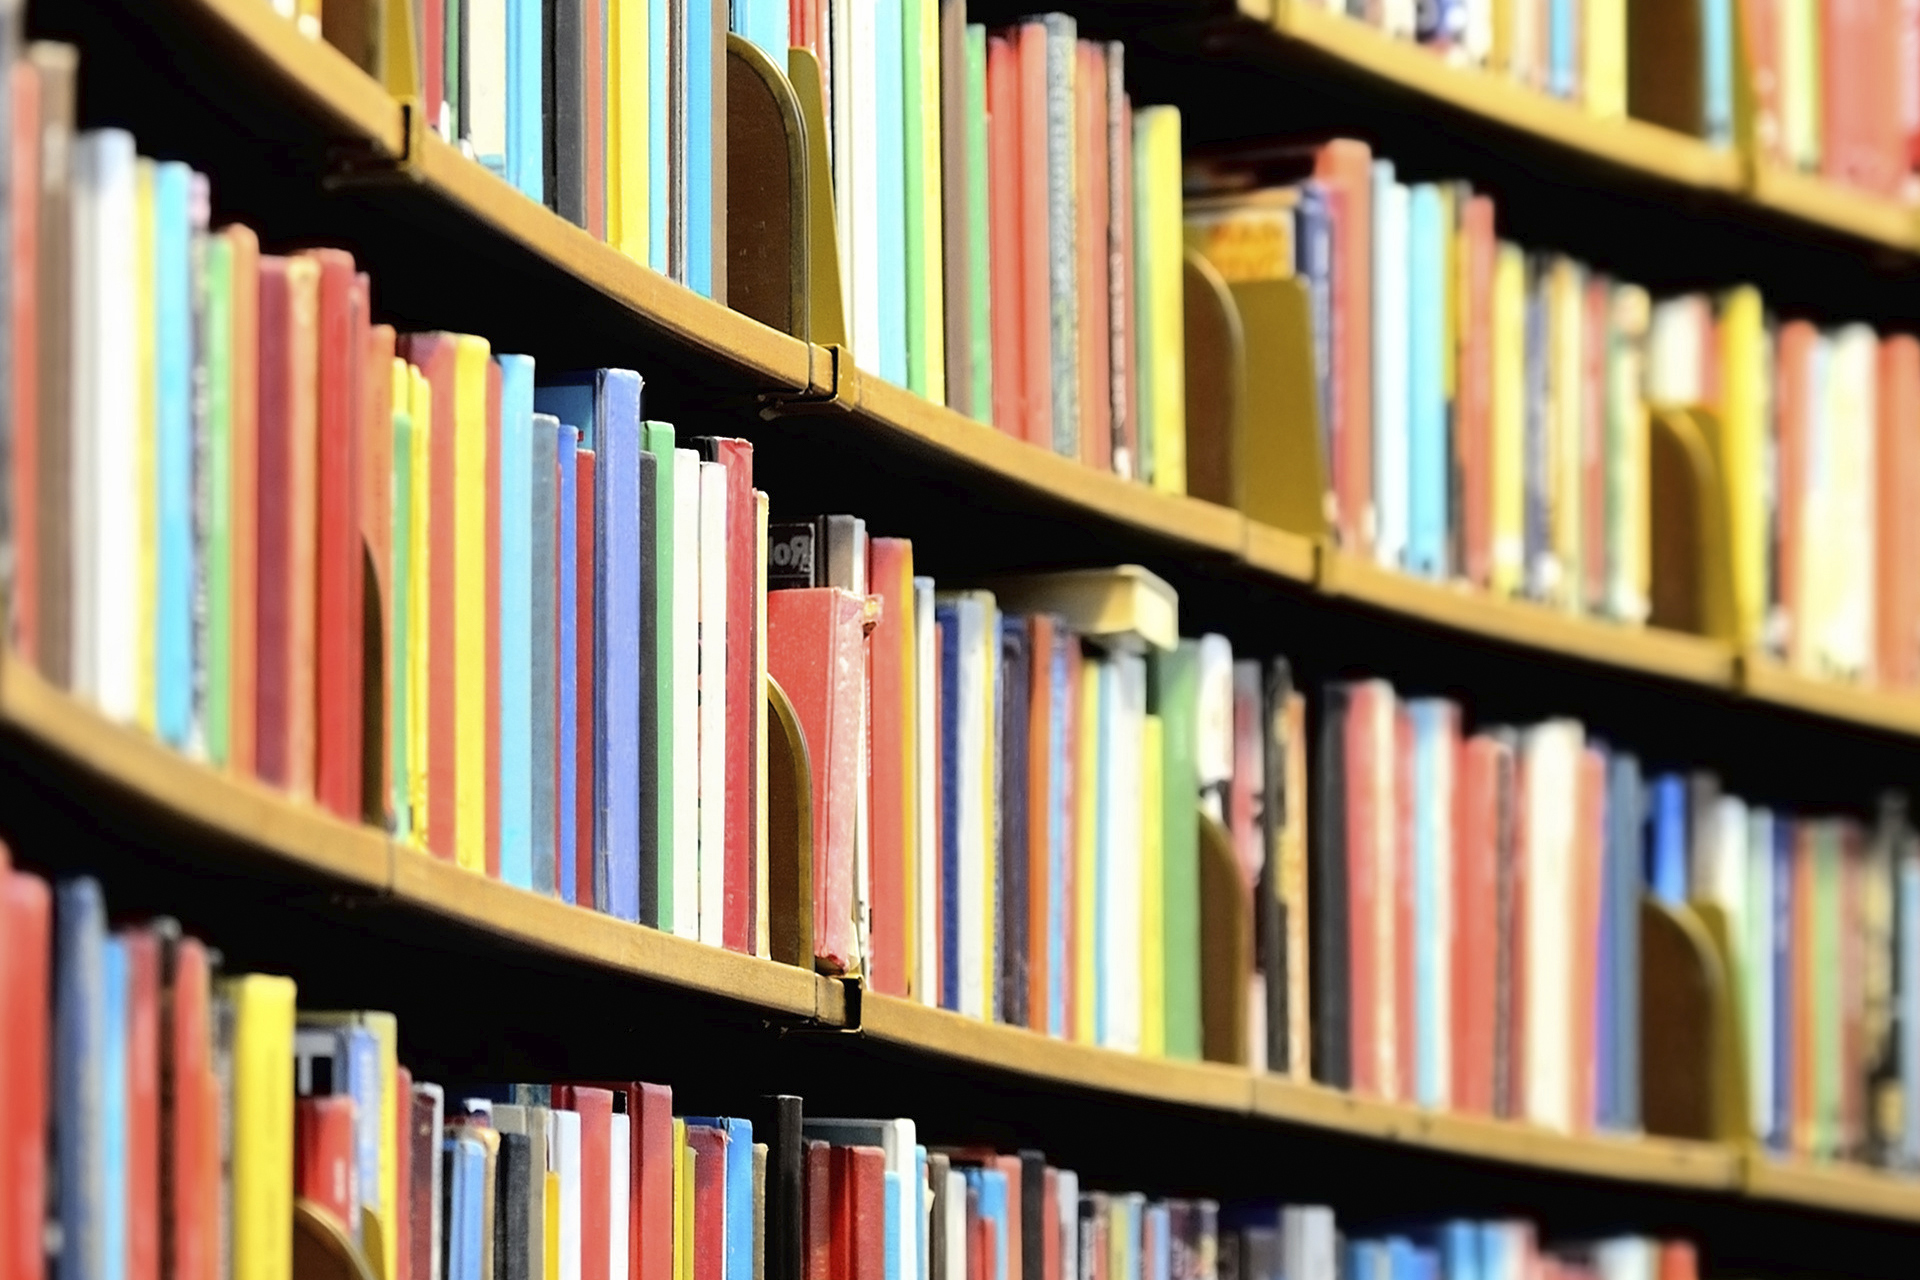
x=1836, y=206
x=544, y=924
x=1652, y=1161
x=1669, y=655
x=238, y=809
x=324, y=80
x=1626, y=143
x=1065, y=1063
x=1889, y=711
x=1195, y=524
x=1847, y=1189
x=1289, y=556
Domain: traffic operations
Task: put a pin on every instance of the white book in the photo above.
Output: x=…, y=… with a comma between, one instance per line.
x=953, y=1205
x=1551, y=754
x=863, y=246
x=1676, y=345
x=619, y=1183
x=1309, y=1246
x=87, y=383
x=1386, y=889
x=487, y=82
x=1066, y=1209
x=1392, y=344
x=1629, y=567
x=563, y=1148
x=926, y=964
x=1121, y=965
x=1214, y=724
x=713, y=700
x=686, y=693
x=1848, y=554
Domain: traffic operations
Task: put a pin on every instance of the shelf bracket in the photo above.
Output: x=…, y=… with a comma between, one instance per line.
x=822, y=394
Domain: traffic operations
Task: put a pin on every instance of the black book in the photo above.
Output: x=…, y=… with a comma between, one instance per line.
x=649, y=693
x=1270, y=910
x=1327, y=891
x=938, y=1165
x=512, y=1249
x=1016, y=678
x=1033, y=1214
x=776, y=1122
x=565, y=88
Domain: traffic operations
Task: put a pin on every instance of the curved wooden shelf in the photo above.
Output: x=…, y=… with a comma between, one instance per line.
x=1280, y=554
x=1815, y=200
x=525, y=919
x=1668, y=655
x=240, y=810
x=1844, y=1189
x=1059, y=1063
x=1634, y=145
x=1648, y=1161
x=1889, y=711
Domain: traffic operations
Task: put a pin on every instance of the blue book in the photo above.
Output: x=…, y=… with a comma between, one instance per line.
x=1402, y=1258
x=1365, y=1260
x=464, y=1175
x=765, y=23
x=994, y=1208
x=365, y=1083
x=526, y=157
x=1441, y=22
x=947, y=618
x=894, y=1209
x=1783, y=1084
x=1427, y=461
x=1460, y=1250
x=566, y=685
x=1667, y=870
x=1716, y=77
x=113, y=1108
x=697, y=163
x=174, y=662
x=1059, y=905
x=518, y=464
x=922, y=1206
x=79, y=1189
x=1159, y=1229
x=1429, y=722
x=547, y=869
x=620, y=591
x=738, y=1263
x=1313, y=250
x=1563, y=43
x=889, y=87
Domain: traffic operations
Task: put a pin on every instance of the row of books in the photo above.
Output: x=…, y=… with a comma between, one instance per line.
x=1823, y=922
x=186, y=1110
x=1482, y=411
x=1818, y=431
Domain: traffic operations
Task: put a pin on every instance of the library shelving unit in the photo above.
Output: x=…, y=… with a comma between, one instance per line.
x=306, y=146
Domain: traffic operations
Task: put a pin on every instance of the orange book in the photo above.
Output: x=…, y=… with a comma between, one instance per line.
x=1475, y=921
x=1793, y=370
x=244, y=518
x=1041, y=629
x=1403, y=956
x=1009, y=348
x=376, y=532
x=1090, y=229
x=1589, y=872
x=1345, y=167
x=1897, y=505
x=1476, y=390
x=1512, y=1105
x=1036, y=283
x=1070, y=836
x=433, y=355
x=494, y=453
x=890, y=774
x=143, y=1171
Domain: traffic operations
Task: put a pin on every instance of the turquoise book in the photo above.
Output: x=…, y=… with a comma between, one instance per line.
x=697, y=175
x=1427, y=469
x=518, y=465
x=889, y=86
x=526, y=154
x=175, y=673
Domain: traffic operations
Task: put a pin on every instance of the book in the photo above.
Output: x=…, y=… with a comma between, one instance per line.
x=1127, y=608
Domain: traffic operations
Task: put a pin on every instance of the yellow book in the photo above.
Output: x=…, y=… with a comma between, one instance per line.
x=1604, y=54
x=627, y=124
x=146, y=401
x=1292, y=853
x=1086, y=849
x=1741, y=452
x=1153, y=908
x=1566, y=427
x=1509, y=419
x=262, y=1130
x=989, y=870
x=420, y=402
x=552, y=1250
x=1800, y=80
x=683, y=1173
x=470, y=656
x=1160, y=269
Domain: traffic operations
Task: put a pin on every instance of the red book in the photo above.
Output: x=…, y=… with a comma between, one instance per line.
x=1677, y=1261
x=491, y=811
x=595, y=1109
x=1040, y=760
x=1036, y=275
x=433, y=354
x=403, y=1173
x=1126, y=426
x=816, y=638
x=1589, y=881
x=709, y=1201
x=859, y=1249
x=143, y=1103
x=423, y=1206
x=1476, y=810
x=585, y=478
x=1090, y=230
x=982, y=1241
x=649, y=1108
x=1476, y=394
x=244, y=510
x=24, y=208
x=1346, y=168
x=1362, y=929
x=26, y=908
x=376, y=532
x=890, y=775
x=1514, y=852
x=1793, y=383
x=338, y=559
x=817, y=1213
x=274, y=554
x=1004, y=238
x=1009, y=1167
x=323, y=1165
x=1050, y=1228
x=1069, y=892
x=191, y=1144
x=937, y=889
x=743, y=745
x=1897, y=506
x=1404, y=956
x=433, y=80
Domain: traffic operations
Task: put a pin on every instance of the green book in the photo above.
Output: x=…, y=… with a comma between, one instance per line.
x=979, y=240
x=658, y=600
x=216, y=306
x=1827, y=1031
x=399, y=723
x=1173, y=694
x=914, y=150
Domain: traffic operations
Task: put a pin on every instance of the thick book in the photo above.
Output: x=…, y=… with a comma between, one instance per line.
x=1174, y=696
x=1040, y=402
x=26, y=977
x=1013, y=748
x=620, y=586
x=594, y=1107
x=740, y=904
x=55, y=69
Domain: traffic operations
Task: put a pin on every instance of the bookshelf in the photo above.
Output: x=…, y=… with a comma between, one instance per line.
x=793, y=381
